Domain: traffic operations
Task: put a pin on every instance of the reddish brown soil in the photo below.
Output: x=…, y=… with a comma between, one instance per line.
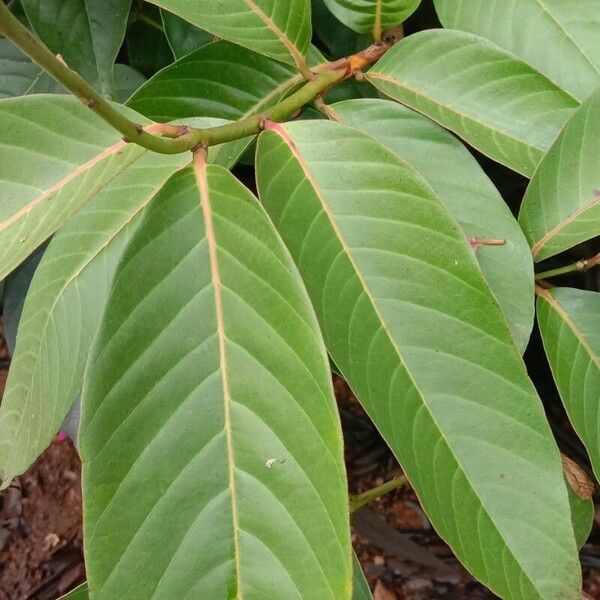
x=41, y=534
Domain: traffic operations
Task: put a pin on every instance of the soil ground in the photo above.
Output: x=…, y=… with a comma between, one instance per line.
x=41, y=533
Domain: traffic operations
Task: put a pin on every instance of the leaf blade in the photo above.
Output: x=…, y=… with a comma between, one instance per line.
x=372, y=17
x=494, y=101
x=466, y=191
x=88, y=34
x=360, y=245
x=571, y=317
x=281, y=31
x=230, y=417
x=561, y=206
x=566, y=30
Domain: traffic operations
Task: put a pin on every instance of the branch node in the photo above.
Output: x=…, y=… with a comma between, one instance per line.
x=138, y=128
x=90, y=103
x=61, y=59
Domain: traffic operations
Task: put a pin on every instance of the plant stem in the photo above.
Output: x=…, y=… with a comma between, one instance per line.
x=176, y=139
x=580, y=265
x=358, y=500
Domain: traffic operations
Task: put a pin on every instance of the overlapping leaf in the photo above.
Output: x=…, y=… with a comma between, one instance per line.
x=410, y=322
x=463, y=187
x=87, y=33
x=55, y=155
x=372, y=16
x=561, y=207
x=497, y=103
x=67, y=298
x=210, y=354
x=182, y=36
x=281, y=30
x=218, y=80
x=81, y=592
x=560, y=38
x=569, y=321
x=19, y=76
x=360, y=586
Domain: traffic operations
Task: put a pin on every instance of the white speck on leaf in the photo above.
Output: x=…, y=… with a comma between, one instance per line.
x=269, y=464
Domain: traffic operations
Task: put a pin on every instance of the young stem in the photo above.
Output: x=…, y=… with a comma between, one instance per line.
x=175, y=140
x=580, y=265
x=358, y=500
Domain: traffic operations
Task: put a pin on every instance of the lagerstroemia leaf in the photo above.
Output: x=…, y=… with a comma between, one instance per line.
x=463, y=187
x=68, y=293
x=87, y=33
x=561, y=207
x=412, y=325
x=372, y=16
x=281, y=30
x=495, y=102
x=569, y=322
x=210, y=354
x=557, y=37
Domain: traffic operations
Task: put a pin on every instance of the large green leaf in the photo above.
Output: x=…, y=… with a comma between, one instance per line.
x=281, y=30
x=210, y=355
x=561, y=207
x=87, y=33
x=466, y=191
x=569, y=321
x=411, y=323
x=495, y=102
x=65, y=303
x=182, y=36
x=372, y=16
x=560, y=38
x=218, y=80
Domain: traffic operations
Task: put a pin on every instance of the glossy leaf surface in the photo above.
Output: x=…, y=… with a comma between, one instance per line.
x=412, y=325
x=495, y=102
x=460, y=183
x=87, y=33
x=281, y=30
x=560, y=38
x=372, y=16
x=66, y=301
x=210, y=354
x=569, y=322
x=561, y=207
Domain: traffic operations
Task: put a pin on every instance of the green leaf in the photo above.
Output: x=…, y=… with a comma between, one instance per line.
x=561, y=207
x=557, y=37
x=19, y=76
x=148, y=48
x=210, y=354
x=372, y=16
x=495, y=102
x=466, y=191
x=87, y=33
x=182, y=36
x=55, y=155
x=127, y=81
x=582, y=516
x=360, y=586
x=410, y=321
x=569, y=322
x=79, y=593
x=281, y=30
x=66, y=301
x=218, y=80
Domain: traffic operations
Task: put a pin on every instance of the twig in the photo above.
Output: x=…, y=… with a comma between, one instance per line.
x=580, y=265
